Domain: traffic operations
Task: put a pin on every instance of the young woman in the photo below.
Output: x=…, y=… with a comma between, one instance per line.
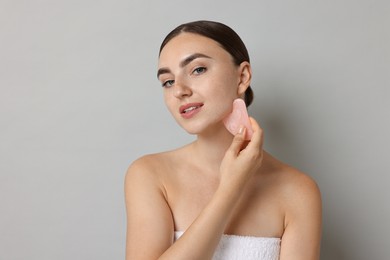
x=219, y=197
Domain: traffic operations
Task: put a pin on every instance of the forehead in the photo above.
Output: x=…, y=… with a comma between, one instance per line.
x=186, y=44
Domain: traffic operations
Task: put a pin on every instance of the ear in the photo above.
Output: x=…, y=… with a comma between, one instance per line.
x=245, y=76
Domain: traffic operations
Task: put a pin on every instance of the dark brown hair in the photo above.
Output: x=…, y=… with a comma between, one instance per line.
x=222, y=34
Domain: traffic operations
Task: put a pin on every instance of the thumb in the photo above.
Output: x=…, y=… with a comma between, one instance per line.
x=238, y=141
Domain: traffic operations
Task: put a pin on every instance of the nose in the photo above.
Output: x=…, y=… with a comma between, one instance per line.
x=181, y=89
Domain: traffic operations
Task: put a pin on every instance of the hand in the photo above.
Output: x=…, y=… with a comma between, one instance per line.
x=240, y=161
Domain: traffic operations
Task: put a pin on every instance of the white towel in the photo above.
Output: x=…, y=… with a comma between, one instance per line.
x=232, y=247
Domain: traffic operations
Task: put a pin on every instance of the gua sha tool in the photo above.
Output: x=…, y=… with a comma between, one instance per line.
x=238, y=117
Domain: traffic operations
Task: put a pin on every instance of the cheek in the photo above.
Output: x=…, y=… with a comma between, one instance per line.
x=228, y=83
x=222, y=106
x=226, y=97
x=226, y=91
x=169, y=102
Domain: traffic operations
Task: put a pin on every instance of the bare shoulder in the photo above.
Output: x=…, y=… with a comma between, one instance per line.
x=148, y=165
x=146, y=162
x=290, y=181
x=300, y=199
x=297, y=191
x=148, y=214
x=152, y=169
x=298, y=185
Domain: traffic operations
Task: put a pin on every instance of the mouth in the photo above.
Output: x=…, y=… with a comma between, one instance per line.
x=190, y=107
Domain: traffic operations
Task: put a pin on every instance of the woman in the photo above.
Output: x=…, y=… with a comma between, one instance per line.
x=219, y=196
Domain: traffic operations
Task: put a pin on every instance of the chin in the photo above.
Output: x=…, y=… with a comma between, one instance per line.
x=192, y=131
x=202, y=129
x=191, y=128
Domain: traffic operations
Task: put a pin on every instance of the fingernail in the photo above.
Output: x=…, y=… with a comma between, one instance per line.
x=241, y=130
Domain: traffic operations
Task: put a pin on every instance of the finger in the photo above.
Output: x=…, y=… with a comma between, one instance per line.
x=257, y=137
x=254, y=124
x=238, y=141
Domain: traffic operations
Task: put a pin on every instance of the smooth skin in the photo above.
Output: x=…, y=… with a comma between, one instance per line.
x=218, y=184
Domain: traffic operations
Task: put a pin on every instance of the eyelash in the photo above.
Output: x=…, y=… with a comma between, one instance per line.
x=196, y=71
x=165, y=83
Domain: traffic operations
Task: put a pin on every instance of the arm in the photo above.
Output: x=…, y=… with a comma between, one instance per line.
x=149, y=219
x=302, y=235
x=150, y=223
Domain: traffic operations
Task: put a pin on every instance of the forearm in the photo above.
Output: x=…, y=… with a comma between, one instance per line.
x=202, y=237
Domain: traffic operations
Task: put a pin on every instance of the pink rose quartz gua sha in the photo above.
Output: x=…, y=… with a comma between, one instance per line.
x=238, y=117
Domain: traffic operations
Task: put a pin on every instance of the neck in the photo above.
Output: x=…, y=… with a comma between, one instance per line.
x=210, y=148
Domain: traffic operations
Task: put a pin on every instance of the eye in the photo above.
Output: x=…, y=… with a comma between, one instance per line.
x=168, y=83
x=199, y=70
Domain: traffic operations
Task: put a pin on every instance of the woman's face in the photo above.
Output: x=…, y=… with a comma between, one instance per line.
x=200, y=81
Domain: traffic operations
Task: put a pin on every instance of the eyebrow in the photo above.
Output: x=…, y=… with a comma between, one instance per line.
x=183, y=63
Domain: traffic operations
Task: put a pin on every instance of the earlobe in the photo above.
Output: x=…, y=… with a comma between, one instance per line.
x=245, y=76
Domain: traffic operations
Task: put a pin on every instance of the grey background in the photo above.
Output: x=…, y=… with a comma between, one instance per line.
x=79, y=101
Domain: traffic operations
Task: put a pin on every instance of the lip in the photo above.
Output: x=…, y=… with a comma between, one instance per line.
x=191, y=113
